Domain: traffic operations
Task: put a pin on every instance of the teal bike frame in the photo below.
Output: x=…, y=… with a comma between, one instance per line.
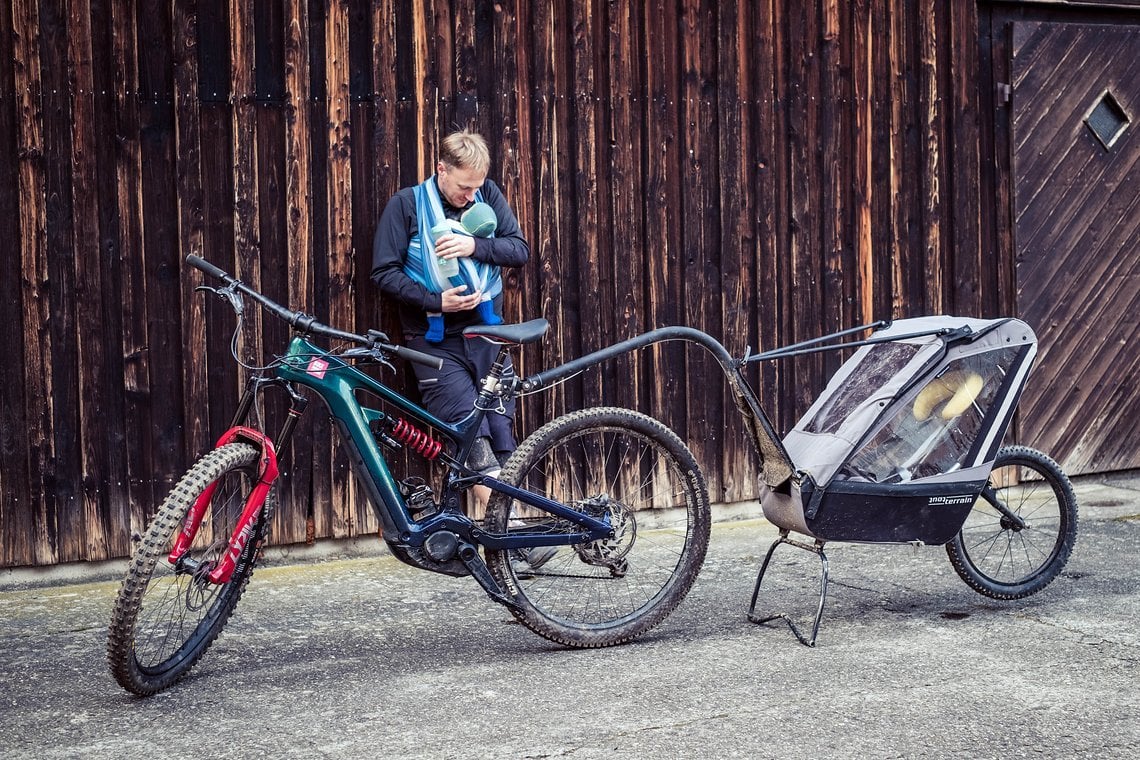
x=444, y=540
x=338, y=385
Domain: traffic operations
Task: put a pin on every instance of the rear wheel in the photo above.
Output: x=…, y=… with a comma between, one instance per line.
x=167, y=615
x=605, y=462
x=1013, y=553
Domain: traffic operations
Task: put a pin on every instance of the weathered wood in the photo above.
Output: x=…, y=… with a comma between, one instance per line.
x=700, y=227
x=664, y=205
x=15, y=544
x=1075, y=218
x=290, y=523
x=94, y=386
x=340, y=262
x=39, y=545
x=764, y=171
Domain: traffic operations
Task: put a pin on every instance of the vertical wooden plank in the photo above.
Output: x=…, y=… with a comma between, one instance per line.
x=63, y=475
x=246, y=210
x=426, y=90
x=466, y=111
x=386, y=145
x=291, y=522
x=160, y=280
x=628, y=250
x=366, y=201
x=551, y=248
x=508, y=112
x=700, y=227
x=965, y=162
x=662, y=200
x=865, y=43
x=269, y=101
x=131, y=262
x=736, y=200
x=771, y=171
x=834, y=94
x=590, y=276
x=908, y=283
x=34, y=268
x=340, y=260
x=883, y=244
x=507, y=117
x=115, y=500
x=321, y=504
x=94, y=384
x=803, y=29
x=17, y=505
x=929, y=27
x=197, y=436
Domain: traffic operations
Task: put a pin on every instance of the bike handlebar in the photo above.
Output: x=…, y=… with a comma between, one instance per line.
x=305, y=323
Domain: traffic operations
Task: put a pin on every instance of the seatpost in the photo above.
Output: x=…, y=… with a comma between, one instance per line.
x=492, y=386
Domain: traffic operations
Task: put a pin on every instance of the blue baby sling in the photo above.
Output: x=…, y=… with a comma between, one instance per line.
x=422, y=265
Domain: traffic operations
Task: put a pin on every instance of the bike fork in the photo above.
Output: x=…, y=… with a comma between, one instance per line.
x=267, y=473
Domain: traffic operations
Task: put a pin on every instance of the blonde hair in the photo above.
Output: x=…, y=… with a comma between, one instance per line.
x=465, y=150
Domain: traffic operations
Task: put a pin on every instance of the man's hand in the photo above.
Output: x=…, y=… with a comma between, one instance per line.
x=452, y=300
x=454, y=246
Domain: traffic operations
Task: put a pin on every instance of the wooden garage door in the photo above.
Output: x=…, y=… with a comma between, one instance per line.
x=1076, y=170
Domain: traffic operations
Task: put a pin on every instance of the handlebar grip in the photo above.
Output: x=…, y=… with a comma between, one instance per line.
x=419, y=357
x=200, y=263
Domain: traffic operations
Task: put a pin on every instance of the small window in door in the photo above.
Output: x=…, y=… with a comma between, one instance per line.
x=1107, y=120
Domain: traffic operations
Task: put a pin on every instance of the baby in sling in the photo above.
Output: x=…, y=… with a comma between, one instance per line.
x=437, y=275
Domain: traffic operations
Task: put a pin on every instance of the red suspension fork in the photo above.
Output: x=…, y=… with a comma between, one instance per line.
x=243, y=531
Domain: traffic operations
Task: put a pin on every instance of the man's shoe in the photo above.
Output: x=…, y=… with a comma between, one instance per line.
x=525, y=561
x=538, y=556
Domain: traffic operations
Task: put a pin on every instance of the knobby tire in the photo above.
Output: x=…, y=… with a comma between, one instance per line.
x=164, y=620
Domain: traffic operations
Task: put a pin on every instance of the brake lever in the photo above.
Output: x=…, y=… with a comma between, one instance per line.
x=227, y=293
x=374, y=354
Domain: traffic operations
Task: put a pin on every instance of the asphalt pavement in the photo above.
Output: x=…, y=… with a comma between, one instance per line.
x=365, y=657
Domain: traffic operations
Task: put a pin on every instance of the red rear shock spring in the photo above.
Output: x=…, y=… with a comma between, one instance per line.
x=417, y=440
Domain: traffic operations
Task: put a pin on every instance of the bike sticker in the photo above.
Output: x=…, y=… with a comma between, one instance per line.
x=317, y=367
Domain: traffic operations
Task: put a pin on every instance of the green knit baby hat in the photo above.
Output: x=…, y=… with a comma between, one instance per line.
x=480, y=220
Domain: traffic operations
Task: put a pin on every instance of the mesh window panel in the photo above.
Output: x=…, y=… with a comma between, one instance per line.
x=1107, y=120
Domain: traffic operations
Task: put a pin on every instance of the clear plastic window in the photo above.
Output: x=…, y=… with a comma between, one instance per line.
x=881, y=363
x=935, y=429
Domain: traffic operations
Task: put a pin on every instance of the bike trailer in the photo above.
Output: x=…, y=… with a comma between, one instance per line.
x=902, y=440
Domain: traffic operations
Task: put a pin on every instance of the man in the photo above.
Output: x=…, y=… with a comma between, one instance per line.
x=449, y=393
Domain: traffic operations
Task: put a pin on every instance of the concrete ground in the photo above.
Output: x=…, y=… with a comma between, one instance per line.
x=366, y=657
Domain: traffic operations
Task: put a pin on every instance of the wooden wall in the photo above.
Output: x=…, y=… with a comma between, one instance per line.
x=765, y=171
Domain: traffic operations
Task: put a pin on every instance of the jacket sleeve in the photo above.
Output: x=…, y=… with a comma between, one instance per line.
x=508, y=248
x=389, y=251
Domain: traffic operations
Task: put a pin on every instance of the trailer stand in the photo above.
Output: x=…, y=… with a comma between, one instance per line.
x=817, y=549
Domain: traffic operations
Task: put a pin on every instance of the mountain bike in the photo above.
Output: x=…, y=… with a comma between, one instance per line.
x=611, y=500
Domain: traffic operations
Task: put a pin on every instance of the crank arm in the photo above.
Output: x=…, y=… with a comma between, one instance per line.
x=471, y=559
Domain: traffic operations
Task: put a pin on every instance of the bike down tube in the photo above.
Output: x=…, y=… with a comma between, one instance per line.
x=336, y=383
x=777, y=466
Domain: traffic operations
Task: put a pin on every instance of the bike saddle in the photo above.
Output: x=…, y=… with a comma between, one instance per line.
x=519, y=334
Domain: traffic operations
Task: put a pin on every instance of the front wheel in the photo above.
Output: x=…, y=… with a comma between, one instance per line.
x=167, y=615
x=605, y=462
x=1013, y=552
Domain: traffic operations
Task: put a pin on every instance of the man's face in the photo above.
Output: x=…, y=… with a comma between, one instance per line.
x=458, y=185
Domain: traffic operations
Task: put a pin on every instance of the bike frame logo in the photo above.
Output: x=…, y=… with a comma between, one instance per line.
x=237, y=545
x=317, y=368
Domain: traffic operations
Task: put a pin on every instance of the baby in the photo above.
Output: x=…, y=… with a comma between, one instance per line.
x=438, y=275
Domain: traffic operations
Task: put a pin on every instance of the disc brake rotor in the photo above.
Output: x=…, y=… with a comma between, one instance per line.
x=610, y=552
